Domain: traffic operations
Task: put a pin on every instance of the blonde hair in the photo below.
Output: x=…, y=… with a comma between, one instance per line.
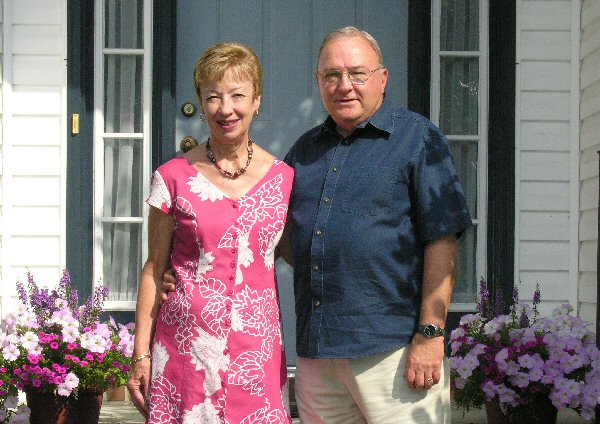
x=351, y=31
x=240, y=59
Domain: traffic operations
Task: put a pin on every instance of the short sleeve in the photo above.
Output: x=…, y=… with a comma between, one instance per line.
x=160, y=197
x=441, y=207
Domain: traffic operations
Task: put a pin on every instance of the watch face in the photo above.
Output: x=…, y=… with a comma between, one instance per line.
x=430, y=330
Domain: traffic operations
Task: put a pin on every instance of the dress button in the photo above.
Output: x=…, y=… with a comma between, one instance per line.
x=227, y=322
x=228, y=307
x=229, y=292
x=232, y=265
x=233, y=250
x=234, y=236
x=231, y=278
x=326, y=199
x=234, y=205
x=316, y=267
x=225, y=351
x=319, y=232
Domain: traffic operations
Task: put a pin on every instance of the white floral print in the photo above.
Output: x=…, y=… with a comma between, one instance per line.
x=207, y=355
x=204, y=188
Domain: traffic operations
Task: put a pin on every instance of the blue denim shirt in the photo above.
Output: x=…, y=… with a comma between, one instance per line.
x=362, y=210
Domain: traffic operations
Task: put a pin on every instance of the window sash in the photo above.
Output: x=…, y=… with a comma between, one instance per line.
x=466, y=49
x=122, y=143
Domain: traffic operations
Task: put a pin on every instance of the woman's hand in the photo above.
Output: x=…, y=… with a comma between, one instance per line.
x=139, y=386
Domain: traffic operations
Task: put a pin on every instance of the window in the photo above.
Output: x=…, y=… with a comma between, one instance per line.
x=121, y=145
x=459, y=108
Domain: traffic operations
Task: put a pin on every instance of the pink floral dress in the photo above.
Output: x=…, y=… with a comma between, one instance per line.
x=217, y=354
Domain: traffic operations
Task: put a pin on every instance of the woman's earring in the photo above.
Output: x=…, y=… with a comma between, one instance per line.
x=256, y=114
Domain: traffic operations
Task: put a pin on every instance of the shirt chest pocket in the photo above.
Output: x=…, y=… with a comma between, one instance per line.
x=372, y=191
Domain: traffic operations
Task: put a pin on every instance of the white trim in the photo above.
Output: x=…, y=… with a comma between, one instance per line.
x=64, y=135
x=482, y=155
x=434, y=93
x=458, y=53
x=123, y=305
x=517, y=181
x=7, y=136
x=574, y=156
x=147, y=152
x=128, y=52
x=98, y=167
x=132, y=136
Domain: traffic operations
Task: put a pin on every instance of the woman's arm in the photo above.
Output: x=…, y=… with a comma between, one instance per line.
x=160, y=234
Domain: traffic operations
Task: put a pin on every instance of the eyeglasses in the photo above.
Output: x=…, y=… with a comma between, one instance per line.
x=356, y=76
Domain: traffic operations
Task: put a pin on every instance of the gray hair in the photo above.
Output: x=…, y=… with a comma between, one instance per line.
x=351, y=31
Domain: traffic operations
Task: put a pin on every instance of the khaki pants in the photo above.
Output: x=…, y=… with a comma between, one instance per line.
x=367, y=390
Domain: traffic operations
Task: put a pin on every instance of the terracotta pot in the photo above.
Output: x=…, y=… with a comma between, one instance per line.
x=47, y=408
x=542, y=411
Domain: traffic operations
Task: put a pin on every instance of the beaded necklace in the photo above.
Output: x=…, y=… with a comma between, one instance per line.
x=233, y=175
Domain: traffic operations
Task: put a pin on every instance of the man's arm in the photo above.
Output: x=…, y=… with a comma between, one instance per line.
x=424, y=360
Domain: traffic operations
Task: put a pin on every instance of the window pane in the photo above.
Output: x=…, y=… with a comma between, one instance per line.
x=465, y=161
x=460, y=25
x=459, y=97
x=123, y=24
x=122, y=253
x=465, y=289
x=122, y=178
x=123, y=96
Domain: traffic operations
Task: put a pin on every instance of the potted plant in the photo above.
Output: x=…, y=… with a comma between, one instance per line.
x=519, y=360
x=60, y=352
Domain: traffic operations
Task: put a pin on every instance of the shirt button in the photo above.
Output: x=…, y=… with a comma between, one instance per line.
x=334, y=169
x=316, y=267
x=326, y=200
x=319, y=232
x=317, y=303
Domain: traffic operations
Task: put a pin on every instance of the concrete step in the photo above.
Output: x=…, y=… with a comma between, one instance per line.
x=123, y=412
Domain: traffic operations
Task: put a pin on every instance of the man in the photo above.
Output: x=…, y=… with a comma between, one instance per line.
x=374, y=216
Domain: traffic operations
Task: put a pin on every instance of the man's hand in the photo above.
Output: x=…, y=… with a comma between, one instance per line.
x=424, y=362
x=168, y=284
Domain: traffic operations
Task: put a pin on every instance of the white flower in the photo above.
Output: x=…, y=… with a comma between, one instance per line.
x=205, y=190
x=160, y=357
x=202, y=413
x=204, y=264
x=10, y=352
x=207, y=354
x=11, y=402
x=29, y=340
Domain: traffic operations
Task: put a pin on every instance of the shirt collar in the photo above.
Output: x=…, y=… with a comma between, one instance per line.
x=383, y=119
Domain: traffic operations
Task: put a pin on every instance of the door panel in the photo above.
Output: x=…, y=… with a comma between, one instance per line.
x=286, y=35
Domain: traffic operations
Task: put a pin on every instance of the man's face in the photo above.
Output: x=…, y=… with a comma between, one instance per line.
x=350, y=104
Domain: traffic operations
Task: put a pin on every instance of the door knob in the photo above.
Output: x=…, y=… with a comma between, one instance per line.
x=188, y=109
x=188, y=143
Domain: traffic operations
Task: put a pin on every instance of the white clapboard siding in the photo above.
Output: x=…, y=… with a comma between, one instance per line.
x=545, y=244
x=589, y=145
x=34, y=159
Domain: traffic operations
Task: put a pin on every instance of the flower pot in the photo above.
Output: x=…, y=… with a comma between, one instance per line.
x=48, y=408
x=541, y=411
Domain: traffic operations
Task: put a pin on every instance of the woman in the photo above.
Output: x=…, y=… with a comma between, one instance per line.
x=216, y=215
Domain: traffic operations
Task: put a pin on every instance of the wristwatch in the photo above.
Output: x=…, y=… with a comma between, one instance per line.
x=430, y=330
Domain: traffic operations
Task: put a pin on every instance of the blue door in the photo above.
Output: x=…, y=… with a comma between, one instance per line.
x=286, y=35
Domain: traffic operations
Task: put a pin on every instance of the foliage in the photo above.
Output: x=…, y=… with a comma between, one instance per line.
x=520, y=357
x=52, y=345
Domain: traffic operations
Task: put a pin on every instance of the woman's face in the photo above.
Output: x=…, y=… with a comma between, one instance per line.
x=229, y=107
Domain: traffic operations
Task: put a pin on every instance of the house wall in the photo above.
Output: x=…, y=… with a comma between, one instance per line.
x=546, y=123
x=589, y=146
x=33, y=143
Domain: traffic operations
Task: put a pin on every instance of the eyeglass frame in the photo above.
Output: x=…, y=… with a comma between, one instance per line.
x=369, y=74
